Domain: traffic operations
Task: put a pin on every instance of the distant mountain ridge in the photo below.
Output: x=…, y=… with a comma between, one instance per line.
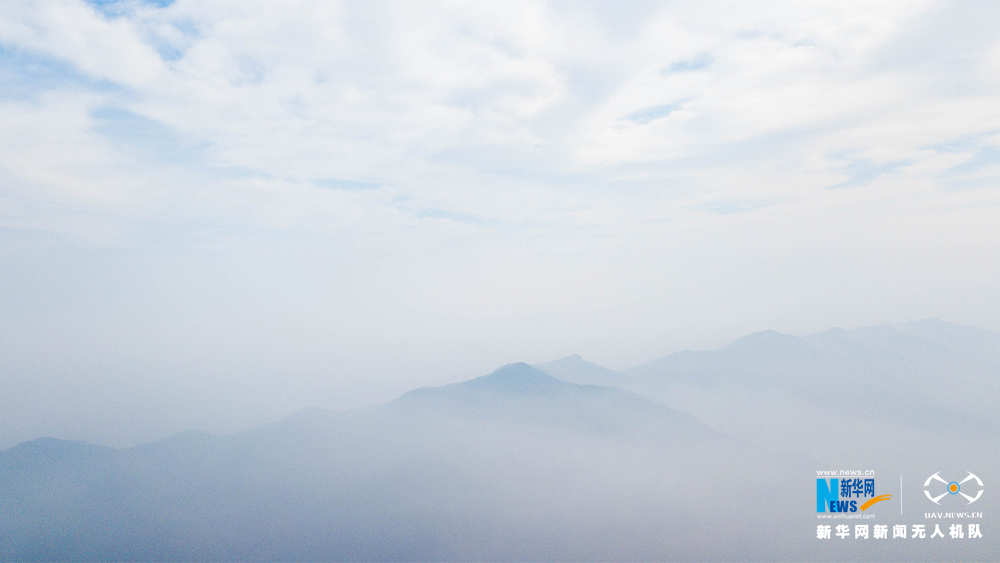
x=526, y=464
x=784, y=392
x=903, y=380
x=577, y=370
x=519, y=393
x=505, y=466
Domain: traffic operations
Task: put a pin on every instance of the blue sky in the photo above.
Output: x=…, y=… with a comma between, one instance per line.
x=273, y=205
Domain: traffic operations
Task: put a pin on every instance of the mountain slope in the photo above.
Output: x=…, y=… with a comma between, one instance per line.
x=574, y=369
x=513, y=465
x=521, y=394
x=518, y=465
x=927, y=381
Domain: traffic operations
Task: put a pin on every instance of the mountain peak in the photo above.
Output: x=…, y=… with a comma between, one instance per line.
x=53, y=449
x=516, y=377
x=512, y=378
x=521, y=394
x=575, y=369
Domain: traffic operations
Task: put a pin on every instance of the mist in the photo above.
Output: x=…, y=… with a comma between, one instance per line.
x=529, y=280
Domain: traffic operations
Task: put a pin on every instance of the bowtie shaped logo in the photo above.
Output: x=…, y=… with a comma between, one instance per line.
x=953, y=488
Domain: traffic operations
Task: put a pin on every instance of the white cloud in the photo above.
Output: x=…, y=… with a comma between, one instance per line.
x=520, y=113
x=71, y=30
x=411, y=94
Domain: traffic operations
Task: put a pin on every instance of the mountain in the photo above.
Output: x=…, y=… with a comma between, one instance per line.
x=691, y=462
x=512, y=465
x=53, y=453
x=575, y=369
x=971, y=341
x=520, y=394
x=749, y=360
x=926, y=381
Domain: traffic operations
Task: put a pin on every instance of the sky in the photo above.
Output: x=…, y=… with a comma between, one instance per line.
x=213, y=214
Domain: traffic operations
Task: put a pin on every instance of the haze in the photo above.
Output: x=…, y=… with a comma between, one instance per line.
x=213, y=215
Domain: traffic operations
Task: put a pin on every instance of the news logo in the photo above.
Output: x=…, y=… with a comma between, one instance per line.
x=846, y=495
x=953, y=488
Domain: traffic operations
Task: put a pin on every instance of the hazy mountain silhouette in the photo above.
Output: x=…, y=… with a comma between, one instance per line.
x=575, y=369
x=976, y=342
x=520, y=394
x=513, y=465
x=928, y=380
x=521, y=465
